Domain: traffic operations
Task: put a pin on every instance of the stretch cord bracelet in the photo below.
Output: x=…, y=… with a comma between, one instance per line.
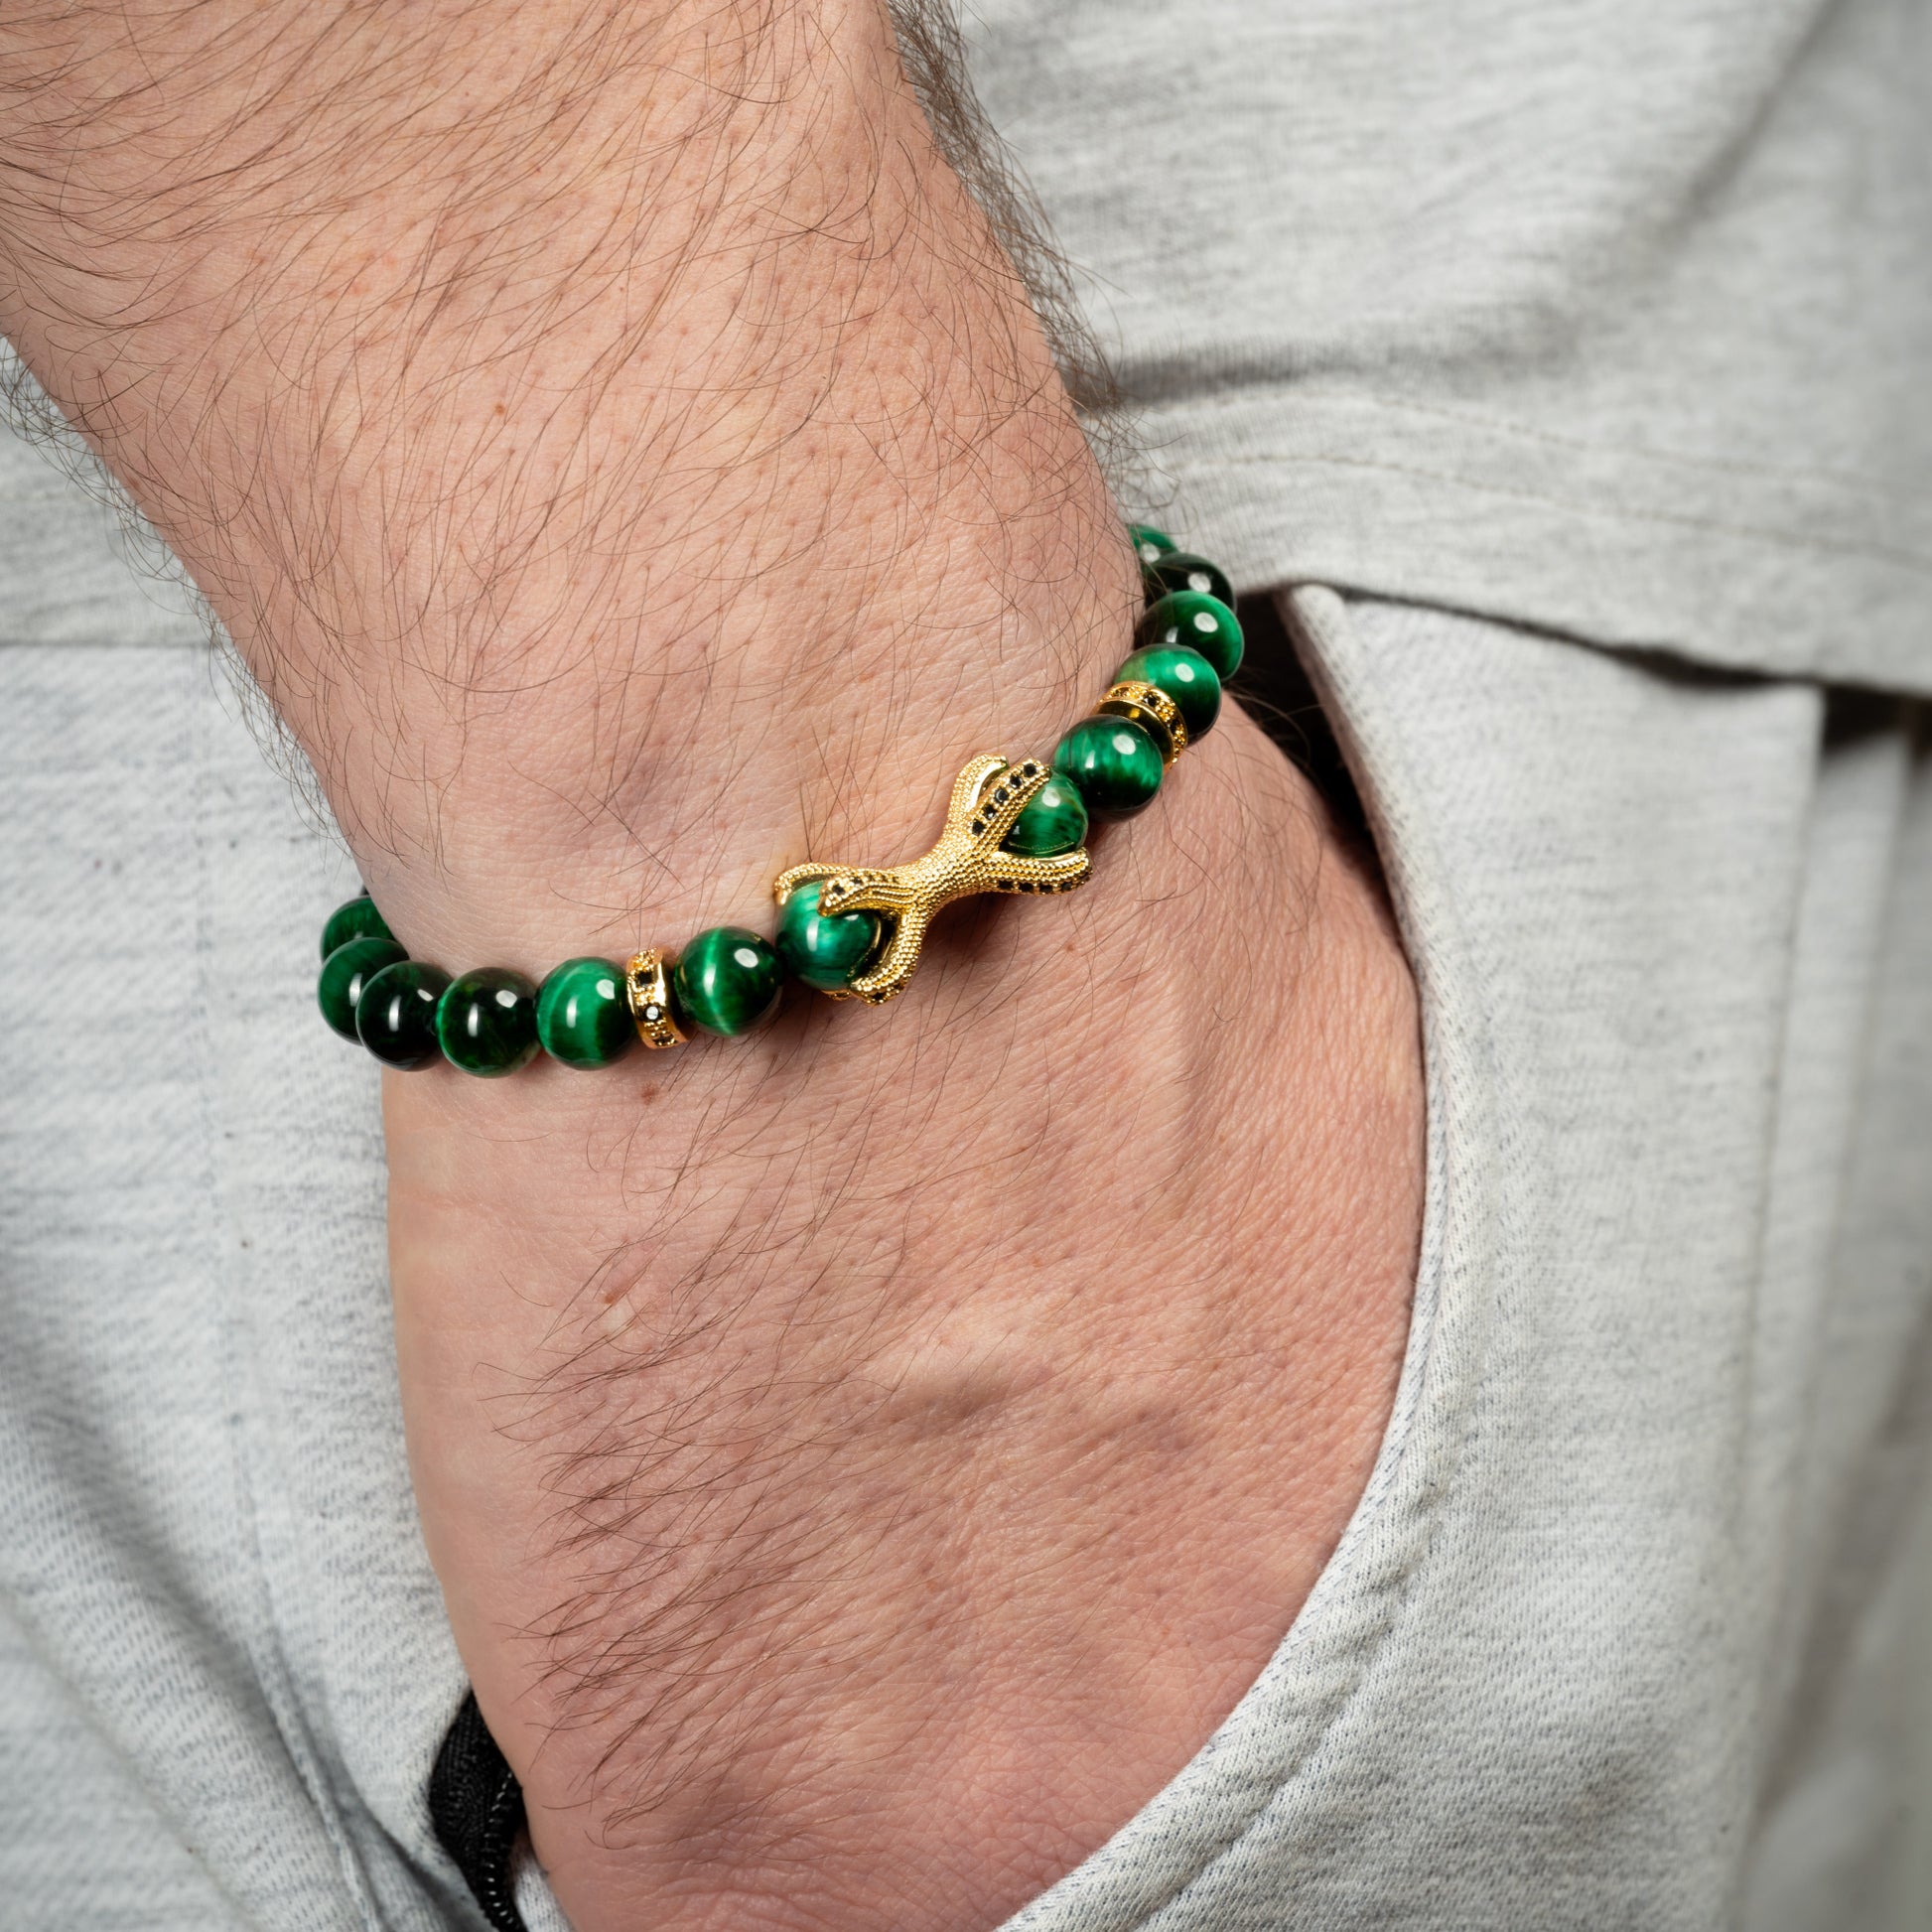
x=850, y=931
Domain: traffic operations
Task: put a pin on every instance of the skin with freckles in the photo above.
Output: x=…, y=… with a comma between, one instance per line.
x=863, y=1462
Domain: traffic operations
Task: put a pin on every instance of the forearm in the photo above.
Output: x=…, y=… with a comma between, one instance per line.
x=864, y=1462
x=520, y=385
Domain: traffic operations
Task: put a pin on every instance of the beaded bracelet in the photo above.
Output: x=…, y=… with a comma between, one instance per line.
x=850, y=931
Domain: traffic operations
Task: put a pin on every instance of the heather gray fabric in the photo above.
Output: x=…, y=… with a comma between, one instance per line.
x=1611, y=317
x=70, y=570
x=221, y=1653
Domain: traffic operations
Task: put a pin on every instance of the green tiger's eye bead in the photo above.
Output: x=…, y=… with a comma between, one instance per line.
x=487, y=1021
x=1115, y=763
x=1198, y=621
x=728, y=980
x=1150, y=544
x=354, y=919
x=1182, y=569
x=1185, y=676
x=343, y=975
x=395, y=1018
x=825, y=949
x=582, y=1017
x=1054, y=821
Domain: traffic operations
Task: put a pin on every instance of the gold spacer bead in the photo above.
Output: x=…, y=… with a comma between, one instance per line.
x=647, y=993
x=1149, y=707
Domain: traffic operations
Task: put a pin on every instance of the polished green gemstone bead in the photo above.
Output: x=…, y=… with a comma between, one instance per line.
x=1115, y=763
x=1150, y=544
x=826, y=950
x=1182, y=569
x=487, y=1021
x=1185, y=676
x=728, y=980
x=395, y=1018
x=354, y=919
x=1052, y=821
x=346, y=972
x=582, y=1017
x=1197, y=619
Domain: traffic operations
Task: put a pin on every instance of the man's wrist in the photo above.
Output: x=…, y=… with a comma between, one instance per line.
x=853, y=1464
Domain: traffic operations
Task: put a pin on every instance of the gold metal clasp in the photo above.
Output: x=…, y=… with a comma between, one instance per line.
x=989, y=796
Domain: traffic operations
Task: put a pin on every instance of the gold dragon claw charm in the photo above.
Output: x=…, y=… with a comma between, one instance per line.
x=967, y=859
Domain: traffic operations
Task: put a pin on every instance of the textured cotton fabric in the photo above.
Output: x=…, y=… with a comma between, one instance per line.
x=1608, y=321
x=1613, y=317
